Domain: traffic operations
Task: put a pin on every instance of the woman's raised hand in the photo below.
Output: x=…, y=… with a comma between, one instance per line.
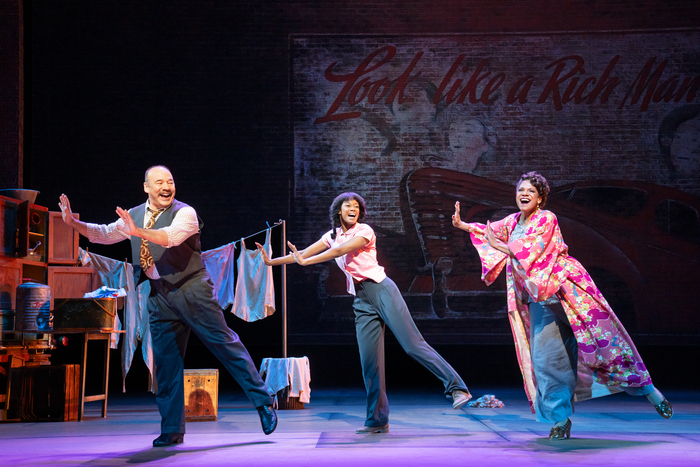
x=266, y=259
x=495, y=242
x=296, y=254
x=456, y=218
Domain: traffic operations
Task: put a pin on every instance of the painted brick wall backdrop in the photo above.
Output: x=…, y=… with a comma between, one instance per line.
x=370, y=111
x=225, y=93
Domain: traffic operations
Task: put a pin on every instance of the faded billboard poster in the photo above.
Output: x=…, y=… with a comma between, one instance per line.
x=415, y=123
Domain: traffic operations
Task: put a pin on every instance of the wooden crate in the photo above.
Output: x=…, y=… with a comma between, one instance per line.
x=70, y=282
x=10, y=380
x=50, y=393
x=201, y=395
x=63, y=240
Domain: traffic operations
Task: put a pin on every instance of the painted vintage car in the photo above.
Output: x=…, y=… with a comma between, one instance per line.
x=639, y=241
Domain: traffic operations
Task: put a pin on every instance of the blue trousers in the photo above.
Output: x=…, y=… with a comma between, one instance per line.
x=554, y=358
x=379, y=305
x=173, y=313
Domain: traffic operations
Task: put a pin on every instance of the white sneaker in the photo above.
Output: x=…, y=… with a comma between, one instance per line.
x=368, y=430
x=459, y=398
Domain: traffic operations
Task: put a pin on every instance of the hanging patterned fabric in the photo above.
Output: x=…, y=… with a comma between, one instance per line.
x=255, y=289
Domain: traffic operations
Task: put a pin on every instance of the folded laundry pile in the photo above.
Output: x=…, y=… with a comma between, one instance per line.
x=105, y=292
x=488, y=400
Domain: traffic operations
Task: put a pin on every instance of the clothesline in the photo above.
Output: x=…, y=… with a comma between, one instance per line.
x=80, y=258
x=276, y=224
x=283, y=244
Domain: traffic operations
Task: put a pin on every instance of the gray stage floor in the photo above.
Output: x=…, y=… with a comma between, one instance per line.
x=425, y=431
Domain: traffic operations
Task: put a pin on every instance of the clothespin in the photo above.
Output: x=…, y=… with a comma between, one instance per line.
x=84, y=259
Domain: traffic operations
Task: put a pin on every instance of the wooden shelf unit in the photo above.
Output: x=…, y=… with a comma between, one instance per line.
x=32, y=240
x=36, y=244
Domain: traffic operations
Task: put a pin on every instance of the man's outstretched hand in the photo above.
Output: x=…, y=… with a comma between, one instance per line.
x=129, y=227
x=66, y=212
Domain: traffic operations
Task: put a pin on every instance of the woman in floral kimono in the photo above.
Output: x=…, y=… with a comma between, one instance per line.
x=569, y=342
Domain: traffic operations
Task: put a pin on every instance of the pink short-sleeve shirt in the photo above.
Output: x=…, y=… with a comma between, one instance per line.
x=359, y=264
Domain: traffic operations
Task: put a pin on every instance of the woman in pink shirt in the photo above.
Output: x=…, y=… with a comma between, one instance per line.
x=378, y=303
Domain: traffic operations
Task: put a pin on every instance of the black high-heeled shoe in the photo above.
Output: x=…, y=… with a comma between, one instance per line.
x=561, y=432
x=665, y=409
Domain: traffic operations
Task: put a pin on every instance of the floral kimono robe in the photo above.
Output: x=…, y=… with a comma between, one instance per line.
x=607, y=358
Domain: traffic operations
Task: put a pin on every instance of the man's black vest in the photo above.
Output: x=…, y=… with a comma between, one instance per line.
x=175, y=265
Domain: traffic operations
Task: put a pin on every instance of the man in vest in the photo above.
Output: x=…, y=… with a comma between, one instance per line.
x=164, y=236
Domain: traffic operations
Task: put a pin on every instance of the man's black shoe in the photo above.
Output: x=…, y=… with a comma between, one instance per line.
x=167, y=439
x=268, y=418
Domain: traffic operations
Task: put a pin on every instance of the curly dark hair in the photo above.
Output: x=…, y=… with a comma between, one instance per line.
x=333, y=212
x=539, y=182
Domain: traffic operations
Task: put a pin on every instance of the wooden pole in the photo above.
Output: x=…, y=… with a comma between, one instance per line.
x=284, y=291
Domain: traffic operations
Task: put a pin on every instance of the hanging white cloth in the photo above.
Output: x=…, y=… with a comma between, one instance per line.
x=142, y=334
x=292, y=372
x=220, y=263
x=255, y=288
